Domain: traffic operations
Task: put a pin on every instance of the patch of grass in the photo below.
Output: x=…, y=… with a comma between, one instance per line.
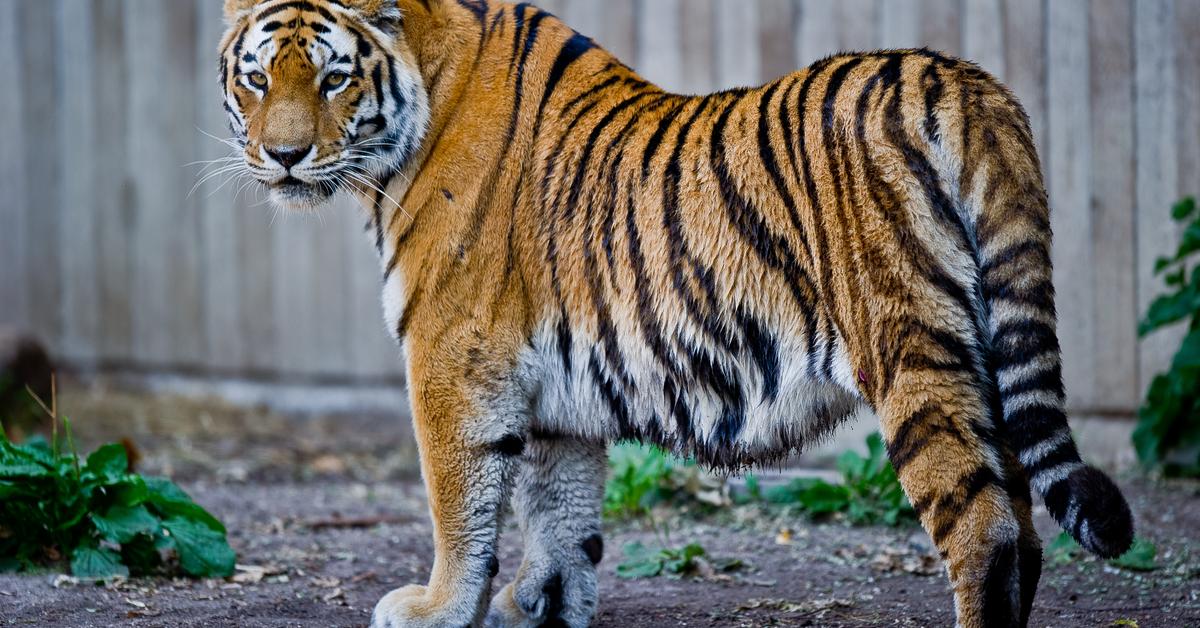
x=1141, y=556
x=97, y=517
x=642, y=477
x=1167, y=436
x=642, y=561
x=870, y=493
x=649, y=562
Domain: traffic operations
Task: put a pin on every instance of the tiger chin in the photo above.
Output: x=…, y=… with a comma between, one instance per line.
x=572, y=256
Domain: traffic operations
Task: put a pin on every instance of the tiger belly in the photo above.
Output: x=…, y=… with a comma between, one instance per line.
x=722, y=408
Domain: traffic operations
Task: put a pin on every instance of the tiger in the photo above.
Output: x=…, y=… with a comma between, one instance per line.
x=571, y=256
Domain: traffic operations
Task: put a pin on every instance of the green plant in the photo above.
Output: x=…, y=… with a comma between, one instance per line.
x=99, y=517
x=642, y=561
x=1168, y=431
x=1140, y=557
x=641, y=477
x=869, y=493
x=648, y=562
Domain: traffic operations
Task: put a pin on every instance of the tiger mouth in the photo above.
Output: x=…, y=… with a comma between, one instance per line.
x=295, y=192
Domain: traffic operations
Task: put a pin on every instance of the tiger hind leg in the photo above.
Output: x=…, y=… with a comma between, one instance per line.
x=557, y=500
x=968, y=491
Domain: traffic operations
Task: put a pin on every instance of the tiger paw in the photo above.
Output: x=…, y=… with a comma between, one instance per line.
x=415, y=607
x=546, y=593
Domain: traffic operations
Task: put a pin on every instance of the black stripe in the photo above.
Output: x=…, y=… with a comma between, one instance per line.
x=764, y=350
x=1000, y=599
x=617, y=405
x=572, y=50
x=951, y=507
x=1049, y=380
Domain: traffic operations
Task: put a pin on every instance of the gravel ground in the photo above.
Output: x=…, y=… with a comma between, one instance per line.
x=326, y=517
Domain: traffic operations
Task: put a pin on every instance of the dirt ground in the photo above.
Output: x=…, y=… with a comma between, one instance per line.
x=327, y=516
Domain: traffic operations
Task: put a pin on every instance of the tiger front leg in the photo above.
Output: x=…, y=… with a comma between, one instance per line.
x=469, y=450
x=557, y=500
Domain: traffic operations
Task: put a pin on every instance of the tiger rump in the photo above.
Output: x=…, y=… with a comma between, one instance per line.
x=572, y=255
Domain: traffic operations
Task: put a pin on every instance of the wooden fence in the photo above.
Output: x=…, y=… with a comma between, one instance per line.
x=103, y=103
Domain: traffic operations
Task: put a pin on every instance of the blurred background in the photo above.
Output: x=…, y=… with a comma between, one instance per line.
x=133, y=284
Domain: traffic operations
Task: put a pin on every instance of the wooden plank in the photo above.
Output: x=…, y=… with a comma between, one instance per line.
x=586, y=17
x=217, y=202
x=984, y=35
x=618, y=28
x=817, y=38
x=186, y=297
x=1113, y=219
x=1025, y=61
x=78, y=152
x=372, y=352
x=695, y=43
x=1068, y=162
x=941, y=25
x=327, y=352
x=167, y=294
x=1187, y=26
x=259, y=324
x=738, y=61
x=900, y=24
x=13, y=275
x=294, y=292
x=1157, y=157
x=552, y=6
x=38, y=59
x=659, y=47
x=778, y=26
x=114, y=189
x=857, y=25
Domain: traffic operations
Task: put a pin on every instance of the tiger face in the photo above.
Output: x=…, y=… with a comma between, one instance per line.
x=320, y=95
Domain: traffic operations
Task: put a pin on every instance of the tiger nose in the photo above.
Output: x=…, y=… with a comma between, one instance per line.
x=288, y=156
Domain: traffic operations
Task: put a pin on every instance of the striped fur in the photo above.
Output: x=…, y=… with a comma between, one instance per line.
x=572, y=255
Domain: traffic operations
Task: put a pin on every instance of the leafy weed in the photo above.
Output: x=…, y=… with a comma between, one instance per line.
x=869, y=494
x=97, y=516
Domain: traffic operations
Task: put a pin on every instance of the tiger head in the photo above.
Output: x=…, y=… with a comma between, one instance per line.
x=321, y=95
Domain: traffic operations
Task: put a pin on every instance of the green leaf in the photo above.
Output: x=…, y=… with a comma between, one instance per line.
x=1062, y=549
x=108, y=463
x=23, y=471
x=1190, y=242
x=1188, y=356
x=203, y=552
x=1167, y=310
x=640, y=562
x=170, y=501
x=1184, y=209
x=141, y=554
x=122, y=523
x=823, y=498
x=96, y=562
x=129, y=492
x=1140, y=557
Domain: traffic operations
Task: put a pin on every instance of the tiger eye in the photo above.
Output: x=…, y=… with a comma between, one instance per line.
x=335, y=80
x=257, y=79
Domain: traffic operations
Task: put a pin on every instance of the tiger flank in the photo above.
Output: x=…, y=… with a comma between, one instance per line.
x=571, y=256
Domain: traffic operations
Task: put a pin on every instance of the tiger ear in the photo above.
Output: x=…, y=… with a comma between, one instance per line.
x=235, y=9
x=384, y=14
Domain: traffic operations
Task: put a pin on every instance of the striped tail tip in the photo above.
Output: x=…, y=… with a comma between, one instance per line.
x=1090, y=507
